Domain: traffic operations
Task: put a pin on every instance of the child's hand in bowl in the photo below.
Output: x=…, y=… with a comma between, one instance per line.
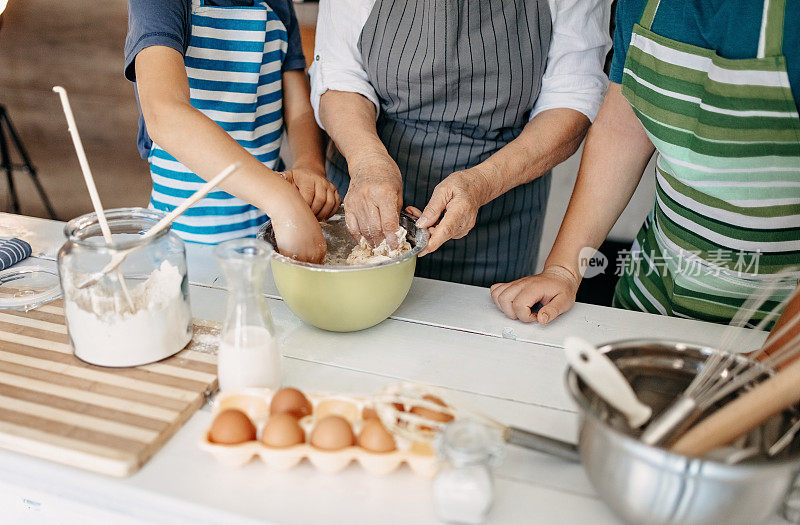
x=297, y=231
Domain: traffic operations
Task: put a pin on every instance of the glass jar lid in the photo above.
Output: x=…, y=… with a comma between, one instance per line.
x=127, y=226
x=467, y=442
x=28, y=287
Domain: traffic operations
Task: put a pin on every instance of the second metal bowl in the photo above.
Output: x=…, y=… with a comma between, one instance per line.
x=651, y=485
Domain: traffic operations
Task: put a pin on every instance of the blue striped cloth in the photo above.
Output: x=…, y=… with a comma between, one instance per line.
x=13, y=251
x=233, y=64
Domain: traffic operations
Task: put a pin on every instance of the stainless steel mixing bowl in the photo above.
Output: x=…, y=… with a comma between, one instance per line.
x=649, y=485
x=344, y=298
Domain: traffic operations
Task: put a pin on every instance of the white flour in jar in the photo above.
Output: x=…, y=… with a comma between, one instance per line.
x=106, y=332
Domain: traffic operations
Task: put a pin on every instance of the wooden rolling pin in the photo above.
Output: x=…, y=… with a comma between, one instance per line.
x=782, y=334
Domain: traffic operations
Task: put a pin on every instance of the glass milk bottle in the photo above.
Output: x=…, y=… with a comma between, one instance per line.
x=463, y=490
x=249, y=355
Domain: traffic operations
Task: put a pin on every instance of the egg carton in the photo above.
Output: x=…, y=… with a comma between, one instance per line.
x=255, y=402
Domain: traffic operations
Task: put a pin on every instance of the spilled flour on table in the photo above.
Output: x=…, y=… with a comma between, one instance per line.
x=206, y=338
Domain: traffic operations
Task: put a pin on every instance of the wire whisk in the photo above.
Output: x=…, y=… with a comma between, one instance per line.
x=725, y=372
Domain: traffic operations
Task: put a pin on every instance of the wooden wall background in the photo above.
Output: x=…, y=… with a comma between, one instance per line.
x=77, y=44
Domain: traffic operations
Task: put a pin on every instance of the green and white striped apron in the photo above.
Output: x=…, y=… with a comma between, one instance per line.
x=727, y=209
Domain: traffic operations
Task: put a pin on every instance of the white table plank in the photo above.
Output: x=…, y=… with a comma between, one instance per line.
x=44, y=236
x=182, y=484
x=470, y=308
x=444, y=304
x=408, y=351
x=424, y=303
x=520, y=464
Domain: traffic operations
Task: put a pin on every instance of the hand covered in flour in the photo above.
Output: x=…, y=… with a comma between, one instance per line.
x=297, y=231
x=453, y=208
x=319, y=193
x=373, y=201
x=554, y=289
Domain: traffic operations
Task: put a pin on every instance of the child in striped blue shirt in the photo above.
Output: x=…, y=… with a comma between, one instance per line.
x=218, y=81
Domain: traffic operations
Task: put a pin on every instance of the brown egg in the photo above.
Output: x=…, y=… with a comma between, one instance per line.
x=337, y=407
x=231, y=427
x=290, y=401
x=423, y=449
x=282, y=430
x=332, y=433
x=369, y=413
x=375, y=438
x=433, y=415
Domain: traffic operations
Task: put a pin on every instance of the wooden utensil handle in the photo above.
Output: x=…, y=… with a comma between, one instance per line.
x=743, y=414
x=84, y=163
x=785, y=330
x=204, y=190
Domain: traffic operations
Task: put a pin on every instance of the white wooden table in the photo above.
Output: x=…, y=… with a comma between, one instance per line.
x=445, y=334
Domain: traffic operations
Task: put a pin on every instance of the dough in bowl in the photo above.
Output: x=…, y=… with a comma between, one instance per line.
x=366, y=254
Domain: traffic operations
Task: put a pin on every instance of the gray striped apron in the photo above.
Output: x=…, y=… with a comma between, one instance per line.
x=457, y=81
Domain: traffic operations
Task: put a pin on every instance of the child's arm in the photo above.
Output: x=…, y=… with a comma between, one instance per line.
x=305, y=140
x=205, y=148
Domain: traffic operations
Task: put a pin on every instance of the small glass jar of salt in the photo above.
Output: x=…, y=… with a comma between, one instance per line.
x=463, y=490
x=137, y=314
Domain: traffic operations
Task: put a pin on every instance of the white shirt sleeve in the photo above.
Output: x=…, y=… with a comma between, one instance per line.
x=338, y=64
x=573, y=77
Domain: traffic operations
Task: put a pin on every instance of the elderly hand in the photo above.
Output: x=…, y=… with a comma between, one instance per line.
x=373, y=201
x=458, y=197
x=554, y=289
x=319, y=193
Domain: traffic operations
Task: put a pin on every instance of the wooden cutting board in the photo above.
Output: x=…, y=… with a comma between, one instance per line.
x=108, y=420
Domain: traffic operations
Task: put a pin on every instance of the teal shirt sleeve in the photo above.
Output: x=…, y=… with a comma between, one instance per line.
x=629, y=12
x=155, y=23
x=730, y=28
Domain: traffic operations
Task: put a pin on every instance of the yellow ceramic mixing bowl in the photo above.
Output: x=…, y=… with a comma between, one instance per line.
x=346, y=298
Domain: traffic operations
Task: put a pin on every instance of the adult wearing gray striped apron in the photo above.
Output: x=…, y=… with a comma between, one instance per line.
x=460, y=131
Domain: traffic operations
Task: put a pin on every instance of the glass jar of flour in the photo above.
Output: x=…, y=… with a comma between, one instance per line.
x=137, y=314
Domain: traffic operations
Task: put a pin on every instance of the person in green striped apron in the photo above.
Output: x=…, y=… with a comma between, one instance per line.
x=713, y=87
x=218, y=82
